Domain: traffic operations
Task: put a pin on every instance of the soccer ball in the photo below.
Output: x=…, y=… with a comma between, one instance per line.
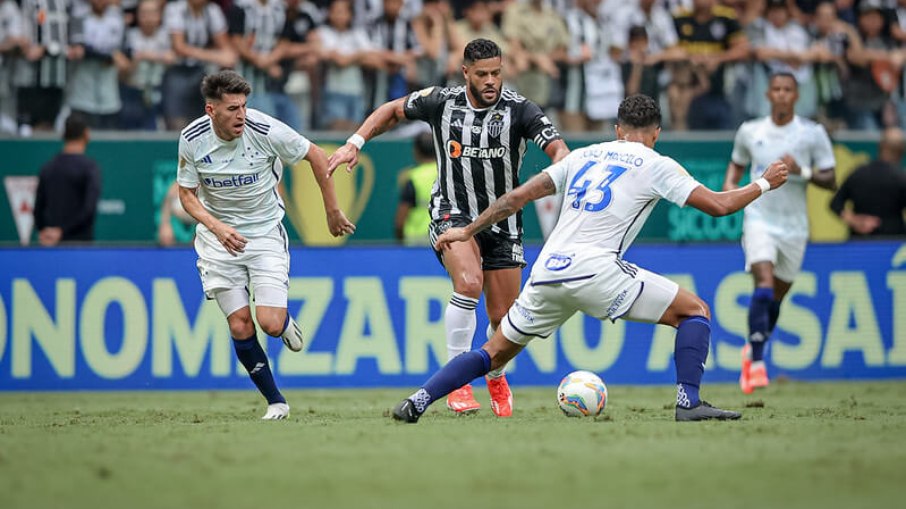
x=582, y=393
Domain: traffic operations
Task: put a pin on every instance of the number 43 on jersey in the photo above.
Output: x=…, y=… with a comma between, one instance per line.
x=590, y=190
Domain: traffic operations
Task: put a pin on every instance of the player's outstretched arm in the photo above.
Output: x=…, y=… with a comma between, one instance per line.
x=538, y=186
x=229, y=238
x=381, y=120
x=337, y=222
x=727, y=202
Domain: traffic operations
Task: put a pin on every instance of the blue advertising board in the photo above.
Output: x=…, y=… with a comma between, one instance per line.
x=109, y=319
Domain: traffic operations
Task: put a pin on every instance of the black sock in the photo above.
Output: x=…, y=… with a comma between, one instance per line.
x=252, y=356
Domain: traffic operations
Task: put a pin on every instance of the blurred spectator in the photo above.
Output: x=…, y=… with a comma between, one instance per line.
x=93, y=89
x=537, y=38
x=410, y=225
x=659, y=29
x=345, y=49
x=40, y=74
x=593, y=83
x=367, y=12
x=640, y=75
x=198, y=34
x=255, y=27
x=687, y=82
x=712, y=37
x=833, y=40
x=846, y=10
x=69, y=187
x=436, y=34
x=898, y=27
x=299, y=49
x=478, y=23
x=872, y=200
x=397, y=50
x=148, y=47
x=677, y=5
x=11, y=43
x=875, y=76
x=782, y=45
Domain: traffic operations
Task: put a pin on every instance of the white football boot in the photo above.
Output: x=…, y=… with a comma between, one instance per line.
x=292, y=336
x=276, y=411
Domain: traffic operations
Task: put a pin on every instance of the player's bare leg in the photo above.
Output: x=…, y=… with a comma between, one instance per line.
x=463, y=263
x=278, y=323
x=501, y=287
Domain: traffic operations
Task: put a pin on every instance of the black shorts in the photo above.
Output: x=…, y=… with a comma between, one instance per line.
x=498, y=250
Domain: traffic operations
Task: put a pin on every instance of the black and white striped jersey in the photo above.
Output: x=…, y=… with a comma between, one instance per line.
x=262, y=23
x=479, y=151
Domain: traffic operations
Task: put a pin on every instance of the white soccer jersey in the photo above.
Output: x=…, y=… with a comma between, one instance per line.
x=609, y=191
x=760, y=142
x=237, y=179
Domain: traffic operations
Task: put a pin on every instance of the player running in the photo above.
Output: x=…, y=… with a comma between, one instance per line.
x=230, y=162
x=775, y=229
x=480, y=132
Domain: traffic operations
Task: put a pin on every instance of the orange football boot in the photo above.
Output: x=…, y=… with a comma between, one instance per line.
x=501, y=397
x=462, y=401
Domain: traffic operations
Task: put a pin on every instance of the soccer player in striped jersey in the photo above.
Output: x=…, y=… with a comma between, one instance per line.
x=230, y=162
x=480, y=132
x=609, y=190
x=775, y=229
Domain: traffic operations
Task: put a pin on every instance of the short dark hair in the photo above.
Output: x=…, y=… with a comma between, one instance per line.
x=639, y=111
x=424, y=144
x=784, y=74
x=637, y=32
x=480, y=49
x=213, y=86
x=75, y=127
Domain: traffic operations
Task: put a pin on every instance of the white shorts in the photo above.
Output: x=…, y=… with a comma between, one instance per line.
x=619, y=290
x=761, y=246
x=264, y=263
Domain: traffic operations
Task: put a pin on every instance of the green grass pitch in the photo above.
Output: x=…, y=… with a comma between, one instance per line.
x=799, y=445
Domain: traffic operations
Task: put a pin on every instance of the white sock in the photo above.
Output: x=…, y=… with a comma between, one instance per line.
x=499, y=372
x=459, y=321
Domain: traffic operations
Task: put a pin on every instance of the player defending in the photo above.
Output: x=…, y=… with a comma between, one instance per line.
x=775, y=229
x=230, y=162
x=479, y=134
x=609, y=189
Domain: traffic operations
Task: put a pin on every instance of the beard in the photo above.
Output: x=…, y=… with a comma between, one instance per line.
x=479, y=98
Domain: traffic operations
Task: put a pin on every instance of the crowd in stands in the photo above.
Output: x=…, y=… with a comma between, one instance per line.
x=324, y=64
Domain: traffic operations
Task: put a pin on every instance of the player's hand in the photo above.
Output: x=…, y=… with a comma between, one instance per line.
x=348, y=154
x=50, y=236
x=165, y=234
x=776, y=174
x=864, y=224
x=230, y=239
x=791, y=164
x=339, y=224
x=450, y=236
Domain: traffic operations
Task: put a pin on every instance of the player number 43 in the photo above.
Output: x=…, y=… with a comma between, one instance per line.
x=591, y=191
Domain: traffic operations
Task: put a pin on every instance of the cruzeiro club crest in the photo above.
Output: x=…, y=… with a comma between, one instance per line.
x=495, y=123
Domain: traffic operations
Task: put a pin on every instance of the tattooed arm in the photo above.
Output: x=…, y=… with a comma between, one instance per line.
x=538, y=186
